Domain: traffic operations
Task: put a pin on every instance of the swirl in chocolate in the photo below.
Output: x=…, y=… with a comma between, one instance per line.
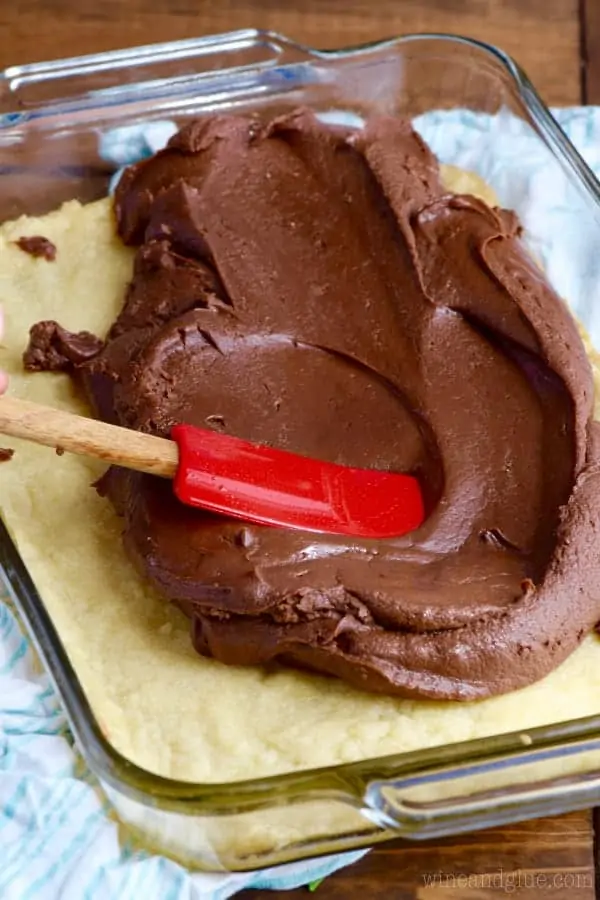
x=318, y=290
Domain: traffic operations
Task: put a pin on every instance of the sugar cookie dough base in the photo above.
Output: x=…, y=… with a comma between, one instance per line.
x=163, y=706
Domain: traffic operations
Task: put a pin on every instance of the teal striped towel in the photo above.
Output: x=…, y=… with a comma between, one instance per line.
x=57, y=838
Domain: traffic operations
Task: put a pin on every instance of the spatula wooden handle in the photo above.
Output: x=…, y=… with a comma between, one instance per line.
x=88, y=437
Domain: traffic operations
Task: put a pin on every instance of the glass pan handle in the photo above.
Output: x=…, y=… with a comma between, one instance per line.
x=508, y=788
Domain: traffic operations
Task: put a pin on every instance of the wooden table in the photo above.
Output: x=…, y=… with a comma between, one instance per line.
x=558, y=44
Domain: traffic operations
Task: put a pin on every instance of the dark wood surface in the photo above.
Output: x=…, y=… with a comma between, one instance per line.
x=558, y=43
x=544, y=35
x=590, y=51
x=550, y=858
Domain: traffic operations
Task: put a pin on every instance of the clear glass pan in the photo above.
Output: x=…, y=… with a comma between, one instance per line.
x=52, y=117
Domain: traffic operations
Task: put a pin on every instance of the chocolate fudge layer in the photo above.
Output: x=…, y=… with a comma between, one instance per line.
x=318, y=290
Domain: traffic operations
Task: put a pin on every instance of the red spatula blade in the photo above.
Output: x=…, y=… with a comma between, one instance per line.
x=248, y=481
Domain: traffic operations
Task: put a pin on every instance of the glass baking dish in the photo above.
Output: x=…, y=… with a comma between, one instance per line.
x=52, y=118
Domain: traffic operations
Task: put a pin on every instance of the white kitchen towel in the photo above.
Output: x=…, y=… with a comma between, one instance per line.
x=58, y=840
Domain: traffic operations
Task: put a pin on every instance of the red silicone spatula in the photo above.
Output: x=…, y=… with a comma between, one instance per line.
x=234, y=477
